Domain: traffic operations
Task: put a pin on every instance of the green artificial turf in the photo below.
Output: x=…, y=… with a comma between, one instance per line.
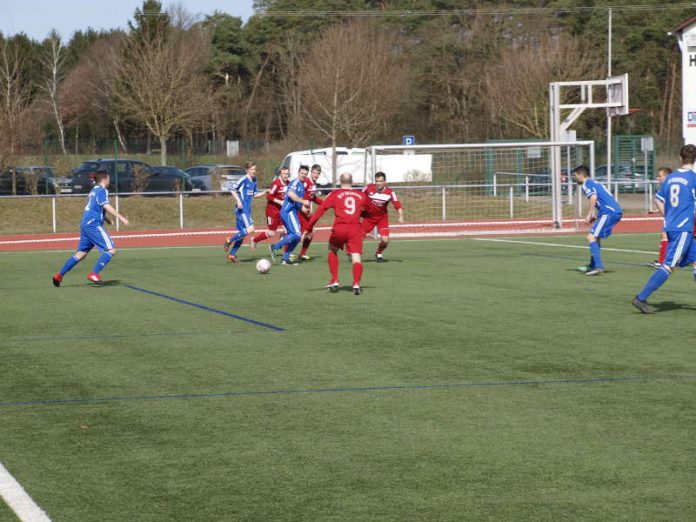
x=473, y=380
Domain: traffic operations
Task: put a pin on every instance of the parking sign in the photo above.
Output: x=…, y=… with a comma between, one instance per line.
x=408, y=140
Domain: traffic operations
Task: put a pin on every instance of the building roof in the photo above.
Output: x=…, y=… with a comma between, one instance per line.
x=686, y=23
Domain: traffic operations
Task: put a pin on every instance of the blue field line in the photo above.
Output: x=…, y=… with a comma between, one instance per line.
x=203, y=307
x=580, y=259
x=597, y=380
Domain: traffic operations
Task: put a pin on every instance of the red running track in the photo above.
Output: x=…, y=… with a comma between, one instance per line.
x=193, y=237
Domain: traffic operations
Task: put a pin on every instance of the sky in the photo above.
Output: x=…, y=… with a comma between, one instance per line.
x=36, y=18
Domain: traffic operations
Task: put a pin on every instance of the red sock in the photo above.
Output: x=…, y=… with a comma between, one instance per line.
x=260, y=236
x=305, y=245
x=663, y=251
x=357, y=273
x=333, y=266
x=382, y=246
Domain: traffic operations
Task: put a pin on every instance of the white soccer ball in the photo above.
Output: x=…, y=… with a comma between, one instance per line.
x=263, y=266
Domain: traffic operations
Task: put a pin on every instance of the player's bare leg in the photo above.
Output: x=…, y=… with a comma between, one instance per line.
x=383, y=244
x=306, y=241
x=357, y=273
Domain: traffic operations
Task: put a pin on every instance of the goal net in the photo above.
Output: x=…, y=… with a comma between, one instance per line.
x=483, y=187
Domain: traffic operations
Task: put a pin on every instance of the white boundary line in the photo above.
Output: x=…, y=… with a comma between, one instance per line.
x=560, y=245
x=18, y=500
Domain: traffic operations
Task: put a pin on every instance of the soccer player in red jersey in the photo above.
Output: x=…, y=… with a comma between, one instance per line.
x=310, y=184
x=275, y=197
x=377, y=215
x=347, y=204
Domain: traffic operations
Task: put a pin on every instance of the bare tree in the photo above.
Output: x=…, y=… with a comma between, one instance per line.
x=53, y=60
x=14, y=107
x=161, y=81
x=352, y=81
x=517, y=85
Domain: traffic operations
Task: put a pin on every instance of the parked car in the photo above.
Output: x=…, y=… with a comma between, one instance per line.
x=165, y=178
x=229, y=175
x=623, y=175
x=34, y=180
x=122, y=172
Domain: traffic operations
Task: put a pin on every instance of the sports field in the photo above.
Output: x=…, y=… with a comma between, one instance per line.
x=475, y=379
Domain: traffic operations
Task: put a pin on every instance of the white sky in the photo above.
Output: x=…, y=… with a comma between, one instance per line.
x=36, y=18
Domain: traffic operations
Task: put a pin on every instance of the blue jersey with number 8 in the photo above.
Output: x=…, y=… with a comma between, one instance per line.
x=678, y=194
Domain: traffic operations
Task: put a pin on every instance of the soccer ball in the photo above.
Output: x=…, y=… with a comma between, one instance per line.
x=263, y=266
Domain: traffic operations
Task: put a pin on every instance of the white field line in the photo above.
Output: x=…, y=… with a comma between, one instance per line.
x=560, y=245
x=18, y=500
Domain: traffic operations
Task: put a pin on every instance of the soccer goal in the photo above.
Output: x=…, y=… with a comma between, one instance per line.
x=484, y=186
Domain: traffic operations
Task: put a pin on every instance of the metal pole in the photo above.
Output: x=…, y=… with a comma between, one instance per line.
x=444, y=203
x=512, y=210
x=118, y=224
x=181, y=210
x=53, y=205
x=608, y=116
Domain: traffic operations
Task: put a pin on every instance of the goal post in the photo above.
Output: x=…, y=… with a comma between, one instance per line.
x=484, y=186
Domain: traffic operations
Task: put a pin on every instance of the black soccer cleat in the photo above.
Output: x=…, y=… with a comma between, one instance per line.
x=57, y=278
x=643, y=306
x=333, y=287
x=357, y=290
x=379, y=258
x=274, y=253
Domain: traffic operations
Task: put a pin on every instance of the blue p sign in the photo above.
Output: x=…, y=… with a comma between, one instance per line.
x=408, y=140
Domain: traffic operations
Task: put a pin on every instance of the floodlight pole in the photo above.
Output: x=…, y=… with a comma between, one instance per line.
x=609, y=112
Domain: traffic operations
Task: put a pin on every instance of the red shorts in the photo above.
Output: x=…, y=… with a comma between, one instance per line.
x=273, y=219
x=381, y=222
x=349, y=236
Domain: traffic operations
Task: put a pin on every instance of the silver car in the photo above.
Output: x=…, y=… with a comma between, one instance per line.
x=228, y=175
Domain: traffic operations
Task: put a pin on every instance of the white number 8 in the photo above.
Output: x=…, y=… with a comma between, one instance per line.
x=674, y=194
x=350, y=205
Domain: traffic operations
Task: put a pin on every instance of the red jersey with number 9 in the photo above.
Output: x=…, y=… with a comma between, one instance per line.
x=347, y=205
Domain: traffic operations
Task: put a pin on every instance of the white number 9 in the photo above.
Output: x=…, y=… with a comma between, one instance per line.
x=350, y=205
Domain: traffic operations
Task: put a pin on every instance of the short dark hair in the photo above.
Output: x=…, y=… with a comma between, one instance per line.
x=316, y=166
x=381, y=175
x=582, y=170
x=688, y=153
x=304, y=167
x=100, y=175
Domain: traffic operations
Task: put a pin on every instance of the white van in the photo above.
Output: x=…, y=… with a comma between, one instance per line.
x=347, y=160
x=400, y=168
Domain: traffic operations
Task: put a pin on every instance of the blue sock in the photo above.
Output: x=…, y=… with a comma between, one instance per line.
x=656, y=281
x=102, y=262
x=235, y=246
x=291, y=246
x=596, y=257
x=72, y=261
x=287, y=240
x=237, y=241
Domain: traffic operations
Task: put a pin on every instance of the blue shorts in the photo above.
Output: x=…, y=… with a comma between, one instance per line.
x=681, y=249
x=94, y=236
x=244, y=220
x=604, y=225
x=291, y=222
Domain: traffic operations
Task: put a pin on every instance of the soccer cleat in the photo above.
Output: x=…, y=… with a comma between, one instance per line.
x=288, y=262
x=379, y=258
x=305, y=257
x=227, y=244
x=57, y=278
x=655, y=264
x=643, y=306
x=333, y=287
x=95, y=278
x=585, y=268
x=595, y=272
x=357, y=290
x=274, y=253
x=232, y=258
x=252, y=244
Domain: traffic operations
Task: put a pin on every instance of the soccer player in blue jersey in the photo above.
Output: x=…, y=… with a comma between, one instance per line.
x=677, y=196
x=293, y=202
x=608, y=215
x=92, y=232
x=244, y=191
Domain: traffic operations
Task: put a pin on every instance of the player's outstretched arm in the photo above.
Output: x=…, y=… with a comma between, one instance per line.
x=111, y=210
